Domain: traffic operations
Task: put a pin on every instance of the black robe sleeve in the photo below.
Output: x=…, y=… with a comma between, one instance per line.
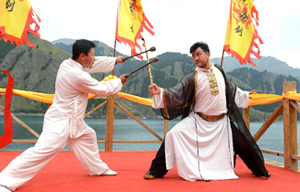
x=180, y=98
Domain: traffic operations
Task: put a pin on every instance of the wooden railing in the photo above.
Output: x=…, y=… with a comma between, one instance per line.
x=111, y=102
x=289, y=109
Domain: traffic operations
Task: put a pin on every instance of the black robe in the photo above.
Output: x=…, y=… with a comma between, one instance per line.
x=180, y=100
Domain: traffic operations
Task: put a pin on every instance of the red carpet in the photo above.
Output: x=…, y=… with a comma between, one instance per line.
x=64, y=173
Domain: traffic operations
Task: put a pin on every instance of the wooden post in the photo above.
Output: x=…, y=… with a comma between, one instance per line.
x=246, y=116
x=290, y=128
x=165, y=127
x=109, y=123
x=221, y=65
x=294, y=147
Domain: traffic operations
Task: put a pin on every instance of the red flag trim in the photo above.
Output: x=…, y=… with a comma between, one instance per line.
x=6, y=138
x=24, y=37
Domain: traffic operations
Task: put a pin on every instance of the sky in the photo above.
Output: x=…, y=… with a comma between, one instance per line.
x=177, y=24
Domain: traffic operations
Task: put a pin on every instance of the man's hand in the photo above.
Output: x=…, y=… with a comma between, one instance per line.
x=253, y=91
x=119, y=59
x=154, y=89
x=123, y=78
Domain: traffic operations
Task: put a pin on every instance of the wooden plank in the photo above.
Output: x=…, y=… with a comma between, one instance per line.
x=246, y=116
x=271, y=152
x=100, y=97
x=22, y=123
x=268, y=122
x=286, y=133
x=296, y=157
x=296, y=105
x=109, y=123
x=24, y=141
x=287, y=118
x=95, y=109
x=139, y=121
x=166, y=129
x=293, y=136
x=294, y=144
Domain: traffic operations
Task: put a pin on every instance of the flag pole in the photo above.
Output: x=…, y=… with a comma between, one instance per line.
x=114, y=55
x=115, y=45
x=149, y=70
x=222, y=58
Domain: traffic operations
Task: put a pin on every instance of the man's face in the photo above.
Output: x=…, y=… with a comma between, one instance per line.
x=200, y=58
x=88, y=60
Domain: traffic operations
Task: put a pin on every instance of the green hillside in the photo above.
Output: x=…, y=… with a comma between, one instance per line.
x=34, y=69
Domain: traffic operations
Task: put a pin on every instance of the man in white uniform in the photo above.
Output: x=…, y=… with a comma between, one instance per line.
x=64, y=121
x=203, y=144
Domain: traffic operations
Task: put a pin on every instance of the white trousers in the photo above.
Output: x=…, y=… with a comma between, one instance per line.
x=49, y=144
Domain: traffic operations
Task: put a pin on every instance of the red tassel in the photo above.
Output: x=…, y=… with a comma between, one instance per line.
x=6, y=138
x=133, y=52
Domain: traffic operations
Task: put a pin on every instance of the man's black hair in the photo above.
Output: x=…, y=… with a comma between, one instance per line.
x=81, y=46
x=202, y=45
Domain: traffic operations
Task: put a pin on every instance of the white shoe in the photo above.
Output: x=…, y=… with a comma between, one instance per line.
x=4, y=189
x=109, y=172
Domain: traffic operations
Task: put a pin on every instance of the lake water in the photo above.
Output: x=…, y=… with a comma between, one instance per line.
x=129, y=129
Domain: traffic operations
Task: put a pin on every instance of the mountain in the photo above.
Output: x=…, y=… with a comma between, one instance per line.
x=65, y=41
x=34, y=69
x=263, y=82
x=269, y=63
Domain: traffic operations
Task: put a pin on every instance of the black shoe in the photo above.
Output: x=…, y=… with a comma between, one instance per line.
x=149, y=176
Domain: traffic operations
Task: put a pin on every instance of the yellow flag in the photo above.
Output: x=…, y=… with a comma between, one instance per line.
x=16, y=16
x=241, y=33
x=131, y=21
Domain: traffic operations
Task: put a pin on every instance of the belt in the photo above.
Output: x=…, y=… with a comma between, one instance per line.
x=211, y=118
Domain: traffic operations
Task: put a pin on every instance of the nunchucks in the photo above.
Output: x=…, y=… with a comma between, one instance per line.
x=155, y=59
x=151, y=49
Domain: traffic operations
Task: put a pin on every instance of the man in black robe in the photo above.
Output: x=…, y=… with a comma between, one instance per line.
x=180, y=100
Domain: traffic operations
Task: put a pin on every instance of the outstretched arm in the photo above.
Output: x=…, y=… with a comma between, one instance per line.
x=242, y=97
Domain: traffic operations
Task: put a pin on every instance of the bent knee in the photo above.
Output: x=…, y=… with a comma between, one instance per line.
x=175, y=131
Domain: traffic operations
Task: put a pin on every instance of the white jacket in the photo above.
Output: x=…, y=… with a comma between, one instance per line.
x=72, y=86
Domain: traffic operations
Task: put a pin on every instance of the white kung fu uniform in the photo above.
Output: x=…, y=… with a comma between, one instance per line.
x=64, y=123
x=203, y=150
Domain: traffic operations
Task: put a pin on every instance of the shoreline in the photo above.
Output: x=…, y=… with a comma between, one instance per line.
x=143, y=118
